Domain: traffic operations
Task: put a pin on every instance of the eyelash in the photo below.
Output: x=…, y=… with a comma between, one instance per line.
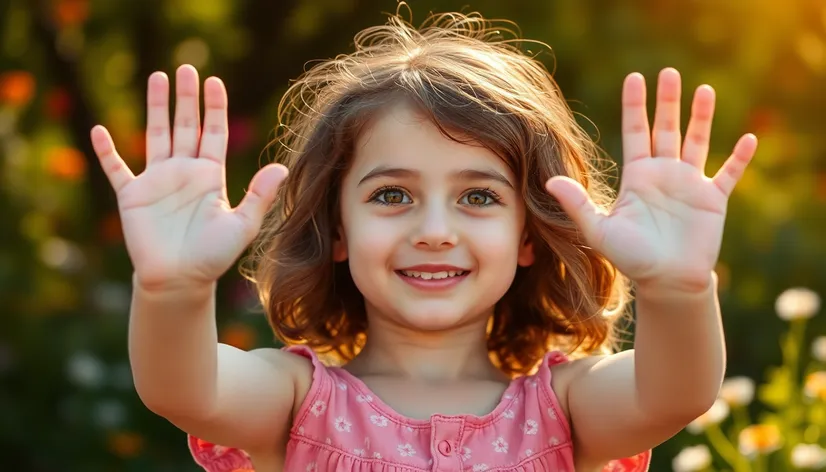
x=497, y=200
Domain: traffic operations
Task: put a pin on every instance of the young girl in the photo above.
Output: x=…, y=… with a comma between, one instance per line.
x=444, y=240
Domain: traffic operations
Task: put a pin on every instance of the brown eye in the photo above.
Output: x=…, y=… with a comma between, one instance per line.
x=479, y=198
x=393, y=196
x=390, y=196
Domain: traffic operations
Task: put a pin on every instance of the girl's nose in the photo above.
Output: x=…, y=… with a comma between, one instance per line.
x=436, y=228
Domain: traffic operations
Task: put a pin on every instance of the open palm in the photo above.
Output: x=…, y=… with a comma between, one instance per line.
x=178, y=224
x=667, y=223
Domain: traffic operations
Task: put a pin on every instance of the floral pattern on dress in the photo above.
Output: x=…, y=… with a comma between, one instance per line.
x=343, y=426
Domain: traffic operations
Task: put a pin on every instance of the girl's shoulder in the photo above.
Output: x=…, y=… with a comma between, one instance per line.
x=562, y=371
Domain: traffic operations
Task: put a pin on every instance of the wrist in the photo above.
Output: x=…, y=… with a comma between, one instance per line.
x=174, y=288
x=666, y=288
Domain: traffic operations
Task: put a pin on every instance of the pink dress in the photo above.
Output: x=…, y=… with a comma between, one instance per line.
x=343, y=426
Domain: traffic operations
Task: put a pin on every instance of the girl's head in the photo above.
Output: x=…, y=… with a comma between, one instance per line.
x=426, y=151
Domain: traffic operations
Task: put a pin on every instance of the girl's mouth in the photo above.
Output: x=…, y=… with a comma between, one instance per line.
x=439, y=280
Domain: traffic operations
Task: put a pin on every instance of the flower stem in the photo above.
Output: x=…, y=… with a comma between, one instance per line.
x=741, y=419
x=726, y=449
x=791, y=358
x=760, y=463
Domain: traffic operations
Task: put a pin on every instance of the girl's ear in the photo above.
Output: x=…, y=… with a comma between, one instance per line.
x=340, y=246
x=525, y=257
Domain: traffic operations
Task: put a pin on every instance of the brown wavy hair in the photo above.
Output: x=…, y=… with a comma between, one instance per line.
x=471, y=78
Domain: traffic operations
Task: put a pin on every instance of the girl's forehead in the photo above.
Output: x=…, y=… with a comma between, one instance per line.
x=403, y=137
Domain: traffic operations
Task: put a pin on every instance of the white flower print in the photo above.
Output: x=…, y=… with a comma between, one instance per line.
x=553, y=441
x=508, y=396
x=480, y=467
x=311, y=467
x=358, y=452
x=342, y=425
x=408, y=429
x=500, y=445
x=552, y=412
x=364, y=398
x=379, y=421
x=328, y=441
x=406, y=450
x=377, y=455
x=342, y=386
x=531, y=383
x=530, y=427
x=318, y=408
x=508, y=414
x=528, y=452
x=466, y=453
x=301, y=430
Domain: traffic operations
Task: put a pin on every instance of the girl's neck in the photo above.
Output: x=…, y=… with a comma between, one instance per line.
x=431, y=357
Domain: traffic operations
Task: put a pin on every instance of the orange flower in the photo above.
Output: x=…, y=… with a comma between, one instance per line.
x=126, y=444
x=70, y=12
x=815, y=385
x=17, y=87
x=760, y=439
x=66, y=163
x=238, y=335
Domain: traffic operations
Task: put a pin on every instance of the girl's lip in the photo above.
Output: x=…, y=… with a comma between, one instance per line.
x=433, y=268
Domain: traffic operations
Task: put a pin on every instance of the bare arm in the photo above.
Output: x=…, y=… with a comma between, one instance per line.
x=212, y=391
x=182, y=235
x=626, y=403
x=664, y=233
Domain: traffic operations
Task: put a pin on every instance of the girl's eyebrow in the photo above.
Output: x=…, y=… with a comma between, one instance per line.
x=467, y=174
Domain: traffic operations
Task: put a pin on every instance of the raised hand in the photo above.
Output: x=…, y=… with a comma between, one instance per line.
x=178, y=224
x=667, y=224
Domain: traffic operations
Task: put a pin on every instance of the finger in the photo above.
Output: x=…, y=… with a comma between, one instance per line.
x=187, y=128
x=113, y=166
x=216, y=130
x=158, y=140
x=261, y=194
x=666, y=133
x=576, y=202
x=636, y=134
x=734, y=167
x=698, y=133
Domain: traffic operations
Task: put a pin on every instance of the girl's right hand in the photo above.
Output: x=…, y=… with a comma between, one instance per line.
x=179, y=227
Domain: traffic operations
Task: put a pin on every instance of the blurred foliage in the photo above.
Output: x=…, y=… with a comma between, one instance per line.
x=66, y=399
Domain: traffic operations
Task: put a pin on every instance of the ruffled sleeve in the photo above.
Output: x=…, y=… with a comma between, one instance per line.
x=638, y=463
x=215, y=458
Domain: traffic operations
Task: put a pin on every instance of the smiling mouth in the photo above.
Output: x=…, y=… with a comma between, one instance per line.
x=445, y=274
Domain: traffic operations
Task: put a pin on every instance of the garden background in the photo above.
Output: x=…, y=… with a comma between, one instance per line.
x=66, y=399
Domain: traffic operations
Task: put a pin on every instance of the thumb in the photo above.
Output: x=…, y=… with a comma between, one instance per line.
x=261, y=194
x=576, y=202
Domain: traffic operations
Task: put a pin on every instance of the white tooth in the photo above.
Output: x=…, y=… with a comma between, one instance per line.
x=451, y=273
x=427, y=275
x=440, y=275
x=415, y=274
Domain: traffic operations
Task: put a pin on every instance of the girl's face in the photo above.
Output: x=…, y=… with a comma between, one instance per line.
x=433, y=229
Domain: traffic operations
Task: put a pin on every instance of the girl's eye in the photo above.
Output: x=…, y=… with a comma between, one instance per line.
x=390, y=196
x=480, y=198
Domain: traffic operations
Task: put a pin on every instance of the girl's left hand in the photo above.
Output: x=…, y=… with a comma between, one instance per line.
x=666, y=226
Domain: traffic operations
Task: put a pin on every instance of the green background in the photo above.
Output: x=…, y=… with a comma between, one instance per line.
x=66, y=399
